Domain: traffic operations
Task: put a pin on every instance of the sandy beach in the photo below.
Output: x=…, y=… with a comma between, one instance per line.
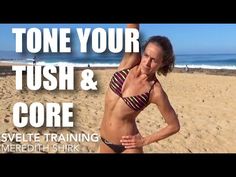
x=204, y=101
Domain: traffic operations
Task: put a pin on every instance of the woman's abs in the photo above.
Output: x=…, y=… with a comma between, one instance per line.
x=113, y=130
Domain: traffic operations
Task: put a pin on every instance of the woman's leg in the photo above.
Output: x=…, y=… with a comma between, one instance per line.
x=136, y=150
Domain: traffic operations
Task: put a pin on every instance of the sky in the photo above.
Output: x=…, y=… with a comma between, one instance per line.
x=185, y=38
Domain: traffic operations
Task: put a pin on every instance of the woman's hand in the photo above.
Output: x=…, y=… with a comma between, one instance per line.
x=132, y=141
x=133, y=25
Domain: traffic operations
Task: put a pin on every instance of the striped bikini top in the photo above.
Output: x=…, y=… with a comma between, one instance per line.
x=137, y=102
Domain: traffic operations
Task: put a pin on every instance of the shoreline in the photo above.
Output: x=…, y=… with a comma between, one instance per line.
x=221, y=72
x=6, y=69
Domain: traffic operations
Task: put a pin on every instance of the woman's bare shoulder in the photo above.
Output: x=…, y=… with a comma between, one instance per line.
x=129, y=60
x=158, y=93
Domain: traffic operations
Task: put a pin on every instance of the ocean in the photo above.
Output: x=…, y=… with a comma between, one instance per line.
x=205, y=61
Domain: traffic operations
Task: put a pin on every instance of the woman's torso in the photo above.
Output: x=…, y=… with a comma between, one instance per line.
x=124, y=100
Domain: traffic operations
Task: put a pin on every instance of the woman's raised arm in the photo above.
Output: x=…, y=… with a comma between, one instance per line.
x=130, y=59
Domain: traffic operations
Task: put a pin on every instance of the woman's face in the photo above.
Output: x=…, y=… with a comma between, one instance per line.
x=151, y=59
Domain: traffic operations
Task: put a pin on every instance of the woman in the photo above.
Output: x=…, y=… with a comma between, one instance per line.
x=132, y=88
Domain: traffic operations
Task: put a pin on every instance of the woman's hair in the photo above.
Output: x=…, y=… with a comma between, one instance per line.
x=168, y=53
